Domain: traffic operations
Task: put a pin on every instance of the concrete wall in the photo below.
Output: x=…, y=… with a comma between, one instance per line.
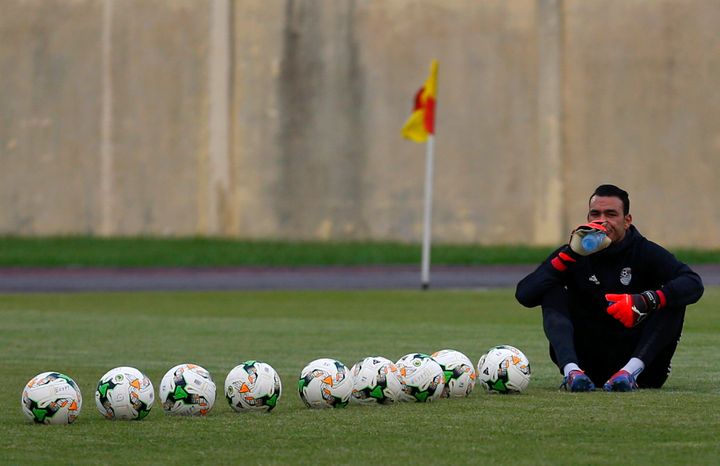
x=642, y=109
x=281, y=118
x=49, y=106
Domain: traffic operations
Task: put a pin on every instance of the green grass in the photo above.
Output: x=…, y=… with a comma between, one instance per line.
x=84, y=335
x=207, y=252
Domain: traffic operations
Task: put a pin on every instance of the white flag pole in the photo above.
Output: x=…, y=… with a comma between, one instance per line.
x=429, y=156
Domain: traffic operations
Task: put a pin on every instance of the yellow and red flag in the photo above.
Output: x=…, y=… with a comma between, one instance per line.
x=421, y=123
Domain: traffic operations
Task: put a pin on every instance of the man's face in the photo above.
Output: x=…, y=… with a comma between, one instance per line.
x=609, y=210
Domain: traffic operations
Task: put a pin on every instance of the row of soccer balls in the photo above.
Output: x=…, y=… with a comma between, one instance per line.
x=188, y=389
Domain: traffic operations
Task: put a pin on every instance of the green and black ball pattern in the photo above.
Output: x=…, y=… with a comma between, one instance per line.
x=40, y=415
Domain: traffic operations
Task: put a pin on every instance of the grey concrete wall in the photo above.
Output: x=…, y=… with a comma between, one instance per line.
x=159, y=132
x=642, y=109
x=319, y=152
x=144, y=117
x=49, y=106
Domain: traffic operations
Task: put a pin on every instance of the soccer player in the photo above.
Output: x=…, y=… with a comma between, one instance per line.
x=612, y=315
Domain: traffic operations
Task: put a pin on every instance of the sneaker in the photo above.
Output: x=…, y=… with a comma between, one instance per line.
x=622, y=381
x=577, y=381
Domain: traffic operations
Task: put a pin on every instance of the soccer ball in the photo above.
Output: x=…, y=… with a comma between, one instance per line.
x=421, y=376
x=325, y=383
x=253, y=386
x=51, y=398
x=124, y=393
x=187, y=390
x=375, y=380
x=504, y=369
x=459, y=373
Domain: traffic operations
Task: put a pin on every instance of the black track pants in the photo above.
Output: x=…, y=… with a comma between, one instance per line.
x=600, y=356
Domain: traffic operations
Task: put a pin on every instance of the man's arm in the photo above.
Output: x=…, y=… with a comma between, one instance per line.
x=676, y=286
x=549, y=274
x=681, y=286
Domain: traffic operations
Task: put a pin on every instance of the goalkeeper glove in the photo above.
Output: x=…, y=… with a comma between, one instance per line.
x=631, y=309
x=572, y=251
x=579, y=233
x=564, y=259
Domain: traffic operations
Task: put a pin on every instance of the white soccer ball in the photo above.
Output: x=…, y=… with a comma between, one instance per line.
x=124, y=393
x=187, y=390
x=325, y=383
x=504, y=369
x=375, y=380
x=253, y=386
x=51, y=398
x=459, y=373
x=422, y=378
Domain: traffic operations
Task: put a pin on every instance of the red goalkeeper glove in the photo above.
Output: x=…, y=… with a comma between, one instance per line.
x=566, y=257
x=631, y=309
x=578, y=235
x=572, y=251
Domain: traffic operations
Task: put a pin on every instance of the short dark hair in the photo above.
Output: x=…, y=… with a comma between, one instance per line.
x=610, y=190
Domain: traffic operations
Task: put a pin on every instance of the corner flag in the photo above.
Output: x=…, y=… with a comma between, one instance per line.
x=421, y=122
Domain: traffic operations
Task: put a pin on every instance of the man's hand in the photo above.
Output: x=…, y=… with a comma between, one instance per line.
x=631, y=309
x=576, y=238
x=570, y=253
x=565, y=258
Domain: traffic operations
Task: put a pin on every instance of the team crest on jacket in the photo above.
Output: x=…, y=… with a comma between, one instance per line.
x=626, y=276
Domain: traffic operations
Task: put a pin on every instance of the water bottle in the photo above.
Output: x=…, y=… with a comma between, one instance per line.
x=592, y=240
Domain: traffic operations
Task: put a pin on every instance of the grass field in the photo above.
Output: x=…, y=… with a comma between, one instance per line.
x=78, y=251
x=84, y=335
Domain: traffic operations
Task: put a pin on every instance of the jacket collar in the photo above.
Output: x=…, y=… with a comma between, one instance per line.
x=631, y=236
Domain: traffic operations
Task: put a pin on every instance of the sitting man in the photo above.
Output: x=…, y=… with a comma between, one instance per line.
x=614, y=313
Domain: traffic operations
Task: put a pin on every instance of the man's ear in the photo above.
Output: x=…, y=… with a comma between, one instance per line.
x=628, y=221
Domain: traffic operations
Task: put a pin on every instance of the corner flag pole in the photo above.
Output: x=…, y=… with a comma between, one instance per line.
x=429, y=166
x=420, y=127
